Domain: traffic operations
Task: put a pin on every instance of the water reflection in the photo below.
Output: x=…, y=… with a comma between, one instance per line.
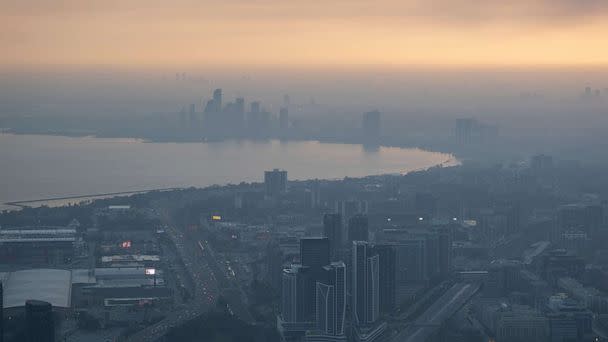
x=37, y=167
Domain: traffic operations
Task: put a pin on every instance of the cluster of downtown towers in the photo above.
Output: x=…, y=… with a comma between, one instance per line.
x=230, y=120
x=323, y=294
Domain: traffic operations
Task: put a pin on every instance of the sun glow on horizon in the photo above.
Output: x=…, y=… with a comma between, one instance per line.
x=315, y=33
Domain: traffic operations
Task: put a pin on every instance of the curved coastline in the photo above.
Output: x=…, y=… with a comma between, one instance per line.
x=328, y=160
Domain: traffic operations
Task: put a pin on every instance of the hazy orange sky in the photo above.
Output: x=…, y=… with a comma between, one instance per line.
x=313, y=32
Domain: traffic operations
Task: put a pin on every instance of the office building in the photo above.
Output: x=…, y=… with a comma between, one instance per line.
x=520, y=323
x=209, y=109
x=371, y=126
x=255, y=107
x=562, y=328
x=289, y=294
x=561, y=263
x=411, y=261
x=387, y=273
x=39, y=245
x=306, y=293
x=541, y=163
x=238, y=116
x=259, y=123
x=350, y=208
x=445, y=252
x=365, y=284
x=283, y=118
x=569, y=320
x=464, y=130
x=39, y=323
x=580, y=217
x=331, y=299
x=332, y=230
x=315, y=194
x=358, y=228
x=315, y=252
x=503, y=276
x=298, y=296
x=275, y=182
x=217, y=100
x=423, y=254
x=239, y=105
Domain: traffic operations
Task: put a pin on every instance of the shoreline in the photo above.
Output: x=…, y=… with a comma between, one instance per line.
x=89, y=195
x=450, y=160
x=173, y=140
x=23, y=203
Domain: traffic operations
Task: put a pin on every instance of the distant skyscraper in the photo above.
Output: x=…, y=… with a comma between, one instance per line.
x=183, y=120
x=350, y=208
x=255, y=107
x=283, y=118
x=371, y=125
x=365, y=284
x=331, y=299
x=315, y=194
x=332, y=230
x=358, y=228
x=209, y=107
x=39, y=323
x=217, y=100
x=240, y=105
x=465, y=130
x=541, y=163
x=314, y=252
x=275, y=182
x=192, y=116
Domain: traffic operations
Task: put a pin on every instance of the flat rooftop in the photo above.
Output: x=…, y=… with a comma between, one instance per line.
x=41, y=234
x=49, y=285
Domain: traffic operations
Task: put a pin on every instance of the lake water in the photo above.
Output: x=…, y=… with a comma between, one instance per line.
x=38, y=166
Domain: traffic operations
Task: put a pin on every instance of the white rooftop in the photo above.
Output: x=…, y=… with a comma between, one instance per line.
x=119, y=207
x=49, y=285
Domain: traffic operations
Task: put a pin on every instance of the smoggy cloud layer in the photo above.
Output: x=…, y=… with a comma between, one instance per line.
x=313, y=32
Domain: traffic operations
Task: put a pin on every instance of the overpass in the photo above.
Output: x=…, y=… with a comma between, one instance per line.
x=435, y=316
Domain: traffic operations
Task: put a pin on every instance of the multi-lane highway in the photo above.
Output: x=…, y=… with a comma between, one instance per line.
x=432, y=319
x=234, y=295
x=206, y=289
